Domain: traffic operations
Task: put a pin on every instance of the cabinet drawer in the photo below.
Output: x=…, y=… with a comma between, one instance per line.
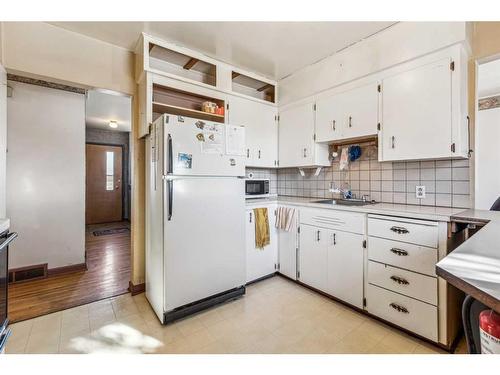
x=406, y=230
x=411, y=284
x=416, y=316
x=332, y=219
x=403, y=255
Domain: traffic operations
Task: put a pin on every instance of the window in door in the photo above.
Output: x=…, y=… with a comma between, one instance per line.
x=110, y=170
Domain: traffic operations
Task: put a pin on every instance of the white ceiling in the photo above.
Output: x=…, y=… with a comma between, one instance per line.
x=488, y=81
x=103, y=107
x=274, y=49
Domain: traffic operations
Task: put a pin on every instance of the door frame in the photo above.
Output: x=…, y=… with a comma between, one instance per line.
x=123, y=171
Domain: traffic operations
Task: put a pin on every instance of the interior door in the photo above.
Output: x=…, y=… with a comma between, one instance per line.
x=416, y=113
x=345, y=267
x=313, y=256
x=103, y=184
x=296, y=131
x=361, y=111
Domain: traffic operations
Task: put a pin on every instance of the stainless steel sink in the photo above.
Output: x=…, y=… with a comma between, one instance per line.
x=345, y=202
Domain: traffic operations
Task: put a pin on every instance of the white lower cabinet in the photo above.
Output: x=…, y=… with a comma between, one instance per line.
x=287, y=249
x=313, y=255
x=331, y=260
x=345, y=267
x=409, y=313
x=260, y=262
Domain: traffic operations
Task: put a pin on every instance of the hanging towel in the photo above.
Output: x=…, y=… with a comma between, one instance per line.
x=284, y=218
x=262, y=237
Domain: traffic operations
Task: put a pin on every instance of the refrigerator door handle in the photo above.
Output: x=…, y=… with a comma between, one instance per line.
x=170, y=186
x=170, y=156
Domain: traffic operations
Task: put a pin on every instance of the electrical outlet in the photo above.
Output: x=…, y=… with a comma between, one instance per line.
x=420, y=192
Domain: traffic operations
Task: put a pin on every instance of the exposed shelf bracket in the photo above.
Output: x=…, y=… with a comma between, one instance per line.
x=317, y=171
x=302, y=173
x=192, y=61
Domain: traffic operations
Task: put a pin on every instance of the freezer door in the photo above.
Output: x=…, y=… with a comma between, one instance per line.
x=201, y=148
x=204, y=248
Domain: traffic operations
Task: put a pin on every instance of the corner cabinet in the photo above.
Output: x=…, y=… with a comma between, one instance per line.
x=424, y=109
x=261, y=129
x=297, y=145
x=349, y=114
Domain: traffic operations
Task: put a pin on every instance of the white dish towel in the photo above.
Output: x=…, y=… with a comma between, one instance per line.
x=284, y=218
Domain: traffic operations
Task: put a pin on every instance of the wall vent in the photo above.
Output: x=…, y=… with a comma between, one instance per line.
x=38, y=271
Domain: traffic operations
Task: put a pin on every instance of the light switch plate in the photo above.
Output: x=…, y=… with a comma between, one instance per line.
x=420, y=191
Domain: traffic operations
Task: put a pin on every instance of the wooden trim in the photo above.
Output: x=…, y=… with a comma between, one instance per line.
x=469, y=289
x=67, y=269
x=265, y=87
x=235, y=74
x=136, y=289
x=50, y=85
x=192, y=62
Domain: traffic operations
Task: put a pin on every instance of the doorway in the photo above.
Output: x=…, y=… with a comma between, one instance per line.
x=104, y=191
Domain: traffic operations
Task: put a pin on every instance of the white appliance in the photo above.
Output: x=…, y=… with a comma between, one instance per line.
x=195, y=203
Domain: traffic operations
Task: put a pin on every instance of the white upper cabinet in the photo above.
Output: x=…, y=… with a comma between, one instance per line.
x=330, y=114
x=261, y=130
x=423, y=113
x=361, y=107
x=349, y=114
x=296, y=142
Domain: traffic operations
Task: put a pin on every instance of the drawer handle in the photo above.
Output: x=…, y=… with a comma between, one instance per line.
x=400, y=280
x=399, y=252
x=400, y=230
x=399, y=308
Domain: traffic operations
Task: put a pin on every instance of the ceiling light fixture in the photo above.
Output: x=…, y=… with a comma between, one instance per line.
x=113, y=124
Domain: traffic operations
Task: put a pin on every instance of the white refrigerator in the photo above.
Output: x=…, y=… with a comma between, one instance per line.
x=195, y=210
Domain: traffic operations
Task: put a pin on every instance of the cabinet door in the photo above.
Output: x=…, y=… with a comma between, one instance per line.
x=330, y=116
x=261, y=130
x=416, y=113
x=296, y=132
x=260, y=262
x=361, y=111
x=313, y=256
x=345, y=267
x=287, y=245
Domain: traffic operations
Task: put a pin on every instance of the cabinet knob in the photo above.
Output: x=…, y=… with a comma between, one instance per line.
x=350, y=121
x=248, y=152
x=392, y=141
x=399, y=252
x=333, y=125
x=259, y=154
x=399, y=230
x=305, y=152
x=318, y=235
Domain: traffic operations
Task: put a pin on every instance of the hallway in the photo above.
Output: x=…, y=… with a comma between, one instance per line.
x=108, y=275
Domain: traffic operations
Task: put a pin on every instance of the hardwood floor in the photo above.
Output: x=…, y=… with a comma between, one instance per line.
x=108, y=275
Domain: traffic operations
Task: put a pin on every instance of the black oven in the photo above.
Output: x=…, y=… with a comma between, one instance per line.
x=257, y=188
x=5, y=239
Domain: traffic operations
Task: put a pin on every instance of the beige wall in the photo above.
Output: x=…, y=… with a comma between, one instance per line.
x=485, y=42
x=41, y=50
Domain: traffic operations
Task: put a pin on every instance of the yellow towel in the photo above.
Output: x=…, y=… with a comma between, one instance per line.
x=262, y=237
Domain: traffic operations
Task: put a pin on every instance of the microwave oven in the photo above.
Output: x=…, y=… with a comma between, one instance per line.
x=256, y=188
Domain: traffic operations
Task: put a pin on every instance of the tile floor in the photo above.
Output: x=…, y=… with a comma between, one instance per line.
x=276, y=316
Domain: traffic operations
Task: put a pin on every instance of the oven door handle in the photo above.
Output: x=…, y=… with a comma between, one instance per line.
x=11, y=237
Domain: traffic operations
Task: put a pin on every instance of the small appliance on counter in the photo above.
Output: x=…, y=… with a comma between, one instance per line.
x=5, y=239
x=256, y=188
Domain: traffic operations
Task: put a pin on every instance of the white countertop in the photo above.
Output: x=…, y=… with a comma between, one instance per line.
x=474, y=266
x=4, y=224
x=401, y=210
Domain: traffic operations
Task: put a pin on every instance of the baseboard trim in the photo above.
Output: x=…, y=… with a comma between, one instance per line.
x=67, y=269
x=136, y=289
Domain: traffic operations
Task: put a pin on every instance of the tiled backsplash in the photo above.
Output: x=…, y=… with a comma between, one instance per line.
x=271, y=174
x=446, y=181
